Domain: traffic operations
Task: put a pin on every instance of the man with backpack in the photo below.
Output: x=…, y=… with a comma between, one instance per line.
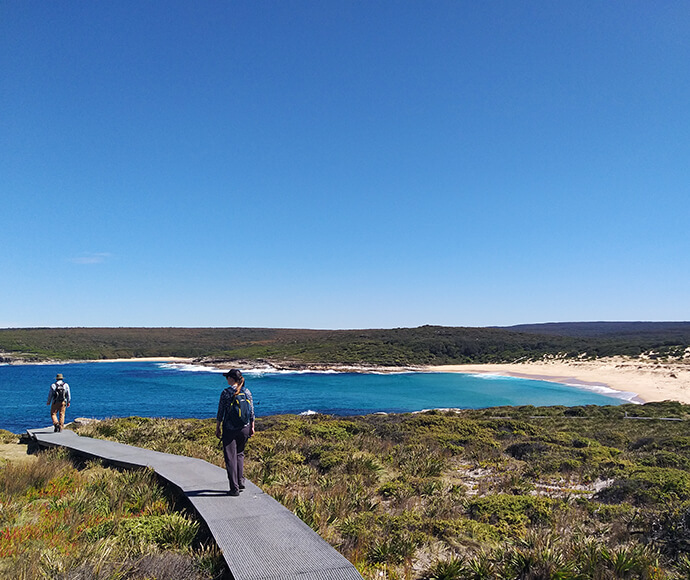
x=58, y=399
x=236, y=416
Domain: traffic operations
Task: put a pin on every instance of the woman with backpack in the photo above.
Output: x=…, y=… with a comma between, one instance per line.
x=236, y=415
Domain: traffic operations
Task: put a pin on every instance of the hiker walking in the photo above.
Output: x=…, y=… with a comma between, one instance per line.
x=59, y=400
x=236, y=415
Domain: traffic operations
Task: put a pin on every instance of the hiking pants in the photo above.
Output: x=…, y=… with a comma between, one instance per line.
x=233, y=452
x=58, y=409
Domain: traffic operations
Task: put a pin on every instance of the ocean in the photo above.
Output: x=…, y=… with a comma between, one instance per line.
x=154, y=389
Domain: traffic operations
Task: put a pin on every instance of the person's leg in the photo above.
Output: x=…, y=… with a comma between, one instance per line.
x=230, y=455
x=54, y=408
x=63, y=408
x=241, y=439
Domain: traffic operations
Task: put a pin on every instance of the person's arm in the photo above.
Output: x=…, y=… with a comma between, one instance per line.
x=68, y=397
x=251, y=431
x=50, y=395
x=219, y=416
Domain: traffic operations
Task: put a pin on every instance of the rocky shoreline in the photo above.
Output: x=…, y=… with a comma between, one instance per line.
x=221, y=363
x=296, y=366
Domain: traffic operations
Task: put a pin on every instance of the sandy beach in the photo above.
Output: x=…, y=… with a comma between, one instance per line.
x=650, y=381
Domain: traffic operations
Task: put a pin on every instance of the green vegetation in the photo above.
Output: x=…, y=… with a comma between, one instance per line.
x=513, y=492
x=393, y=347
x=7, y=436
x=59, y=519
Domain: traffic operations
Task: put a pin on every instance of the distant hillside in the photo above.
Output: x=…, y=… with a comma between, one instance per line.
x=664, y=330
x=395, y=347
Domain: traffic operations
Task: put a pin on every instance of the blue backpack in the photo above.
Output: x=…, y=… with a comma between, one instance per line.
x=240, y=411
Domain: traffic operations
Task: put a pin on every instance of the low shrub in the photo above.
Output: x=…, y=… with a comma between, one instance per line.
x=648, y=486
x=331, y=430
x=511, y=511
x=396, y=489
x=392, y=549
x=663, y=458
x=450, y=569
x=420, y=461
x=166, y=531
x=463, y=531
x=670, y=529
x=326, y=457
x=526, y=450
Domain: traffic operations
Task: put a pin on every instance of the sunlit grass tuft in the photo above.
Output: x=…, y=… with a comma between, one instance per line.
x=58, y=521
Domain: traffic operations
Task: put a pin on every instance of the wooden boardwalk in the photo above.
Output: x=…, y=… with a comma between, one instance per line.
x=260, y=539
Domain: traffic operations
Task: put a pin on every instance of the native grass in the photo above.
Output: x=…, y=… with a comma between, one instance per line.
x=514, y=492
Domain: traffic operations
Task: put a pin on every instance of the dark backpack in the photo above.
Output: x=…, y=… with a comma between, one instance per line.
x=240, y=411
x=60, y=392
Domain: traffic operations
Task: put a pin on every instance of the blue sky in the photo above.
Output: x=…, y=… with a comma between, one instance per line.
x=343, y=164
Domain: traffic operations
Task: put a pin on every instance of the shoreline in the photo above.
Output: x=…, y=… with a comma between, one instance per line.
x=647, y=381
x=643, y=380
x=635, y=380
x=498, y=370
x=53, y=362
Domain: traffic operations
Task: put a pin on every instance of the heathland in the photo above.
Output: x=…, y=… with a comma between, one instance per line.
x=513, y=492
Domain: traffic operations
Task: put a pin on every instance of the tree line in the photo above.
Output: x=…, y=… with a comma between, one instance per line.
x=424, y=345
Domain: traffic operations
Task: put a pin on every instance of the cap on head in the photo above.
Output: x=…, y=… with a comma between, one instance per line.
x=58, y=377
x=234, y=374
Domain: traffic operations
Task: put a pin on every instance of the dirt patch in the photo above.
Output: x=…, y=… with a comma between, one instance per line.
x=14, y=452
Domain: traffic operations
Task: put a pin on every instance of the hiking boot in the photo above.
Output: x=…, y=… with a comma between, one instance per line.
x=241, y=486
x=56, y=428
x=234, y=492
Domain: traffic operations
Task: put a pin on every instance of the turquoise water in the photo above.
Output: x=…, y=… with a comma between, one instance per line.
x=149, y=389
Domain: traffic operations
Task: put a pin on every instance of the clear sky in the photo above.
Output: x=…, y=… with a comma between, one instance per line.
x=343, y=164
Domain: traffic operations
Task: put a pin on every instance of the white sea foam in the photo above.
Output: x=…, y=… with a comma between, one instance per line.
x=498, y=377
x=273, y=371
x=340, y=371
x=189, y=368
x=594, y=388
x=269, y=370
x=608, y=391
x=309, y=412
x=255, y=372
